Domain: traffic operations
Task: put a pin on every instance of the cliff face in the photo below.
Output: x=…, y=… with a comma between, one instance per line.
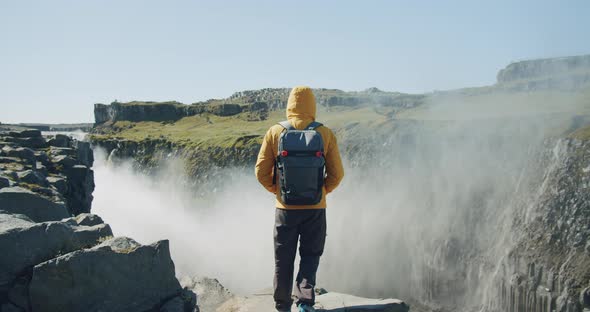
x=166, y=111
x=58, y=168
x=56, y=256
x=257, y=103
x=543, y=68
x=138, y=112
x=565, y=73
x=202, y=163
x=549, y=268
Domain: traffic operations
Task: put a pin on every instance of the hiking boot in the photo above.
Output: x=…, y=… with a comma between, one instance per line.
x=305, y=307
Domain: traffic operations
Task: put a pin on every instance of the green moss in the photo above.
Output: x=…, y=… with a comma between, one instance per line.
x=207, y=131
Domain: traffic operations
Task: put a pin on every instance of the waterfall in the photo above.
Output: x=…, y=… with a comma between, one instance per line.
x=428, y=212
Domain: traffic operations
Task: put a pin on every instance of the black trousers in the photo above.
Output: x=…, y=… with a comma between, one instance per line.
x=308, y=226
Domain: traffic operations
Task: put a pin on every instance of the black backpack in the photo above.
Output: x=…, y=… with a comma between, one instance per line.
x=300, y=165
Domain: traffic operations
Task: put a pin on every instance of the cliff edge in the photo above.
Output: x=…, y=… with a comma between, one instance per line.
x=56, y=256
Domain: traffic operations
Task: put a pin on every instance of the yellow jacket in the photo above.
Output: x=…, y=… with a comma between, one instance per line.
x=301, y=111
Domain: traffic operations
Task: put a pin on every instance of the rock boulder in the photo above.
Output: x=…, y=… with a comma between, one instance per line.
x=27, y=133
x=17, y=200
x=25, y=243
x=4, y=182
x=117, y=275
x=61, y=140
x=211, y=293
x=32, y=177
x=88, y=219
x=24, y=153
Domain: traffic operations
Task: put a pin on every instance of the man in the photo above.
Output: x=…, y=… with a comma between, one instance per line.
x=303, y=222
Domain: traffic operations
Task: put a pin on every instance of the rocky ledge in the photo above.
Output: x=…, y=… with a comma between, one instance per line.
x=56, y=256
x=327, y=302
x=214, y=297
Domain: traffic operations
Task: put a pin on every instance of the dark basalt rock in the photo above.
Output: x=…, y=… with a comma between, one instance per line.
x=117, y=275
x=61, y=140
x=43, y=241
x=64, y=161
x=59, y=183
x=48, y=261
x=65, y=151
x=84, y=153
x=24, y=153
x=17, y=200
x=33, y=142
x=88, y=219
x=32, y=177
x=80, y=188
x=4, y=182
x=28, y=133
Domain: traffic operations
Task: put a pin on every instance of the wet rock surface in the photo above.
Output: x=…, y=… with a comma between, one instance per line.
x=549, y=269
x=56, y=256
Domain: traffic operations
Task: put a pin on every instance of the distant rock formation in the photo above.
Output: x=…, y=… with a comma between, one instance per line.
x=255, y=103
x=58, y=127
x=159, y=111
x=139, y=111
x=565, y=73
x=58, y=257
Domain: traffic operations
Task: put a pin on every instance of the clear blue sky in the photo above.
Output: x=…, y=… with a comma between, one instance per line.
x=57, y=58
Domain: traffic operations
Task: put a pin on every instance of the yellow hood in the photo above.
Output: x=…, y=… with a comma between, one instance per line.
x=301, y=107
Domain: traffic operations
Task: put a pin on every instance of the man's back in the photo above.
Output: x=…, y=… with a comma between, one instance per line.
x=303, y=223
x=301, y=111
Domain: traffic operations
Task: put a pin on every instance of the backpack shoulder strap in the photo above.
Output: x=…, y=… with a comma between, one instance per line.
x=287, y=125
x=313, y=125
